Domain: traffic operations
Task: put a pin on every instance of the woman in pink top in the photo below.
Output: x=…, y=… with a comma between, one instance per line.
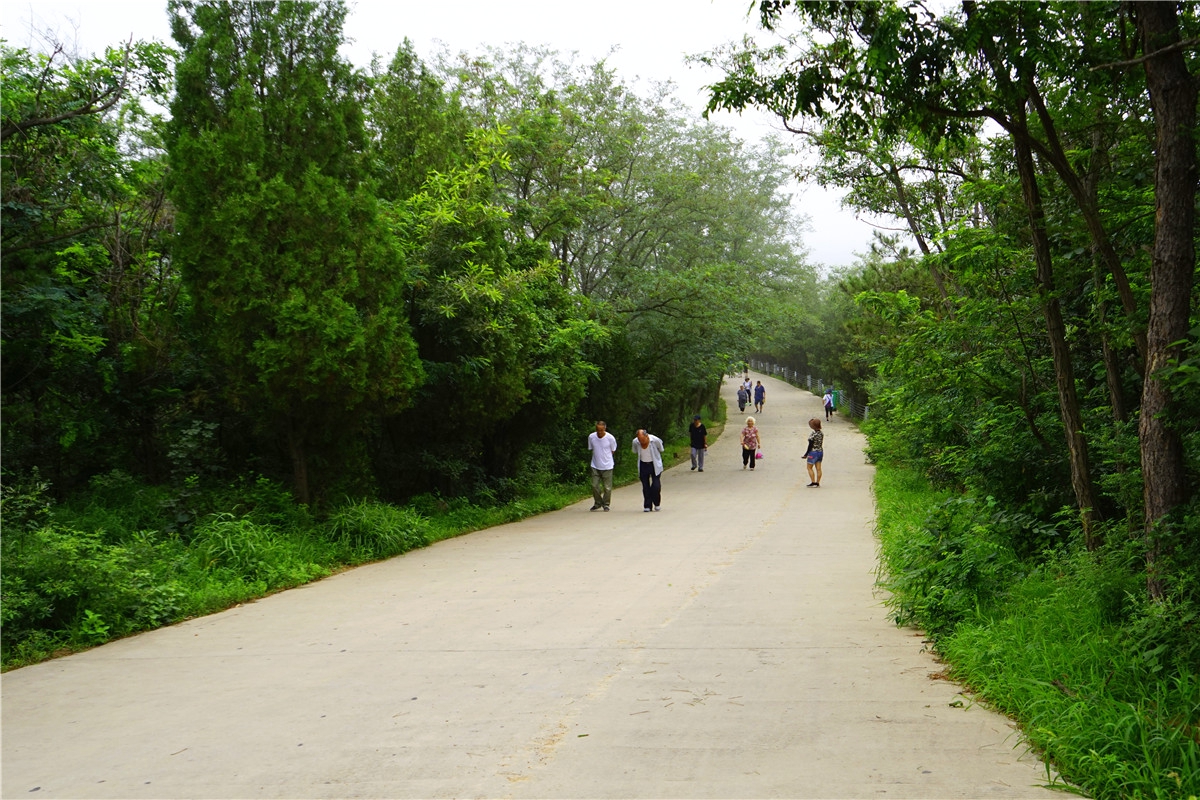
x=751, y=441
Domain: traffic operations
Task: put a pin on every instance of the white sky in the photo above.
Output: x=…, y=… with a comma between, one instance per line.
x=651, y=36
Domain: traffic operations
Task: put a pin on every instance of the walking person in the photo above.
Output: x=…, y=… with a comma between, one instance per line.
x=699, y=436
x=760, y=395
x=649, y=449
x=828, y=402
x=815, y=452
x=751, y=441
x=604, y=448
x=743, y=398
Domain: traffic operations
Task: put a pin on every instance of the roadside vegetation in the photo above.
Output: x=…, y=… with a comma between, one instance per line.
x=1102, y=681
x=315, y=316
x=1028, y=349
x=267, y=315
x=124, y=556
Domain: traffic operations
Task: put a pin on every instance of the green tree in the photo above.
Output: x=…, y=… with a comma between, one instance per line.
x=503, y=348
x=667, y=226
x=1044, y=74
x=1173, y=92
x=89, y=295
x=60, y=142
x=415, y=127
x=298, y=288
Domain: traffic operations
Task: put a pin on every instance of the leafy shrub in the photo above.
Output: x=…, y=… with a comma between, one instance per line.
x=76, y=587
x=261, y=499
x=1167, y=632
x=25, y=504
x=116, y=502
x=192, y=449
x=946, y=569
x=1171, y=627
x=377, y=530
x=271, y=503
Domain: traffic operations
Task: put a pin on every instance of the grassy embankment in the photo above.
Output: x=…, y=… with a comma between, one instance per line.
x=125, y=557
x=1058, y=641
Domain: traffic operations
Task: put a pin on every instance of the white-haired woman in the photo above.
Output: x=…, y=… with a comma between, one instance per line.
x=751, y=441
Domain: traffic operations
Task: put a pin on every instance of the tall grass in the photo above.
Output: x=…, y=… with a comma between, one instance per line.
x=1056, y=638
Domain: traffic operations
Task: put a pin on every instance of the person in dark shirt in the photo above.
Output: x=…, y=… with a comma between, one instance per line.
x=699, y=436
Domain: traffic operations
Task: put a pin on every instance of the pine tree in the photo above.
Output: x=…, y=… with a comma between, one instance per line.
x=296, y=284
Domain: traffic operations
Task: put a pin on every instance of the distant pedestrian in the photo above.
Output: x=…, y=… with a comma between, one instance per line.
x=751, y=441
x=828, y=402
x=743, y=398
x=649, y=449
x=749, y=387
x=604, y=448
x=815, y=452
x=699, y=436
x=760, y=395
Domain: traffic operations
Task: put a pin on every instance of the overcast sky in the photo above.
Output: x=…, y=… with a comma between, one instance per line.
x=651, y=38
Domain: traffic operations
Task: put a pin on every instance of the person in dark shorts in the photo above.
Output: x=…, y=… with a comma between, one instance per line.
x=815, y=452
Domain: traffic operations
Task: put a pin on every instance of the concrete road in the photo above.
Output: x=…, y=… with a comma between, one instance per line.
x=731, y=645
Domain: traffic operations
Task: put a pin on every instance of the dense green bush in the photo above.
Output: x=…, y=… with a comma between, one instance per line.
x=73, y=585
x=120, y=558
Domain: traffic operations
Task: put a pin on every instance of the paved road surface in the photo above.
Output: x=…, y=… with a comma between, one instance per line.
x=729, y=646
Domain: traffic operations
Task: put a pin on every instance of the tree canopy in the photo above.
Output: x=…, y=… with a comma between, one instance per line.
x=288, y=271
x=1050, y=187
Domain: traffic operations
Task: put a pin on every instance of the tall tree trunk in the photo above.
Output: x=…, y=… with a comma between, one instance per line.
x=1173, y=99
x=1052, y=151
x=1064, y=373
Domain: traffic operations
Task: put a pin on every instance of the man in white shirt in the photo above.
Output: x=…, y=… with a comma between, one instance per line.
x=604, y=448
